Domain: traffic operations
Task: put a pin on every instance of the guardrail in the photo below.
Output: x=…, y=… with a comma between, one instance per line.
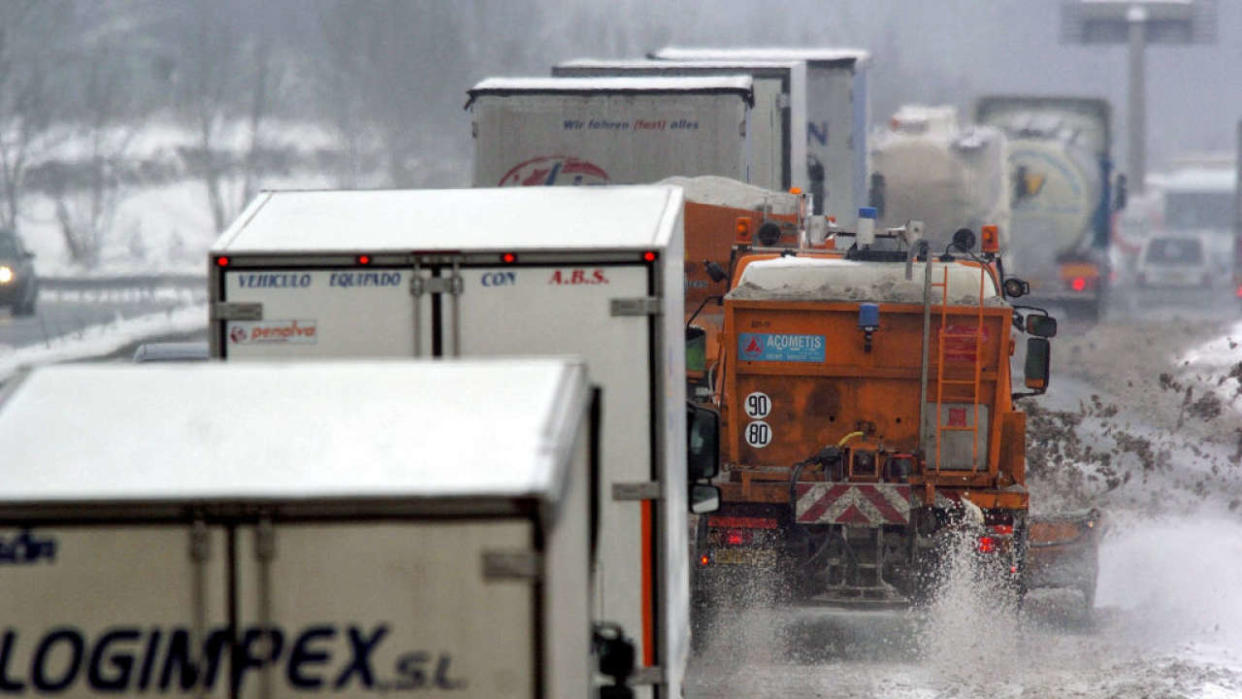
x=123, y=287
x=129, y=281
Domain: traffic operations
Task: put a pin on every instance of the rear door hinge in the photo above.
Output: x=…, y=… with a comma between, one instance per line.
x=642, y=490
x=639, y=306
x=436, y=285
x=222, y=310
x=512, y=565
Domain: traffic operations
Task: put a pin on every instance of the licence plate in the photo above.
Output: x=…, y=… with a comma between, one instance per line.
x=745, y=557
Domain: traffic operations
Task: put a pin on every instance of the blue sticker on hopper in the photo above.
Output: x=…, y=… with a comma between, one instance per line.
x=780, y=347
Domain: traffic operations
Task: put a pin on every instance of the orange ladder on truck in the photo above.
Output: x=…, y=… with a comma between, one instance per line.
x=974, y=382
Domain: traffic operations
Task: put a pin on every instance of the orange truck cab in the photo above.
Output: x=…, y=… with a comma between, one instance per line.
x=868, y=416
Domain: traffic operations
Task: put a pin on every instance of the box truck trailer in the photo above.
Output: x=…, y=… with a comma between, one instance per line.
x=589, y=271
x=779, y=113
x=630, y=130
x=837, y=108
x=251, y=530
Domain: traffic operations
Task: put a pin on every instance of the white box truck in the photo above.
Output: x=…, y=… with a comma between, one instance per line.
x=777, y=121
x=263, y=531
x=592, y=131
x=590, y=271
x=838, y=112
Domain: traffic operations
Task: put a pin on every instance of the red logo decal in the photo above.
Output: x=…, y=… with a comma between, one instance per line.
x=549, y=170
x=577, y=277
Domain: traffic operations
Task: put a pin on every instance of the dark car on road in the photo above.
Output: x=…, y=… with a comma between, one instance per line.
x=19, y=287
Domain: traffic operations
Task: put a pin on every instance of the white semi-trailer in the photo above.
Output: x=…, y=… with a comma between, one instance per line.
x=635, y=130
x=258, y=531
x=837, y=114
x=590, y=271
x=777, y=121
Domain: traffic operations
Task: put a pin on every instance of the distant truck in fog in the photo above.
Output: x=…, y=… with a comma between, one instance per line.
x=1061, y=170
x=616, y=130
x=926, y=167
x=779, y=113
x=837, y=117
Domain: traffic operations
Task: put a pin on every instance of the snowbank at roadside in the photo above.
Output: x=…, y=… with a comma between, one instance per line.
x=100, y=340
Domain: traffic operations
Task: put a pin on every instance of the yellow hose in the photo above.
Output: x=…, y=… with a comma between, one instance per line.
x=850, y=436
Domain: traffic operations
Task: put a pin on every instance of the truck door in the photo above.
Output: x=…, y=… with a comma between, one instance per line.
x=572, y=309
x=108, y=610
x=316, y=313
x=393, y=606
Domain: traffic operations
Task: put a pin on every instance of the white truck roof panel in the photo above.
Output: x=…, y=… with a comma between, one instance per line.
x=511, y=218
x=674, y=66
x=249, y=431
x=742, y=84
x=808, y=54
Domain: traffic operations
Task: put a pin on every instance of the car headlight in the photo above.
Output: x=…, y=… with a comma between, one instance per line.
x=6, y=274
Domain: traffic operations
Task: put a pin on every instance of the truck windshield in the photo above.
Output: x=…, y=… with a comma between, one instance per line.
x=1175, y=251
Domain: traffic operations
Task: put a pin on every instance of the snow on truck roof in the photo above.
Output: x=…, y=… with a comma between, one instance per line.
x=654, y=65
x=507, y=218
x=809, y=54
x=251, y=431
x=740, y=84
x=831, y=279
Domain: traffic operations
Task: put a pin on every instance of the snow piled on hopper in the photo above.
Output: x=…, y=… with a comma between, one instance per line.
x=724, y=191
x=820, y=279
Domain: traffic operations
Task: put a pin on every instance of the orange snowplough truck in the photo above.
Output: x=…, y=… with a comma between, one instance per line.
x=868, y=421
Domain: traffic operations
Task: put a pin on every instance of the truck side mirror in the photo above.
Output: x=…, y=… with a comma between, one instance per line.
x=1041, y=326
x=1038, y=363
x=704, y=498
x=703, y=443
x=696, y=349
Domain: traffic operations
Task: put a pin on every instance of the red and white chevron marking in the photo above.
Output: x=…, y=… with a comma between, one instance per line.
x=857, y=504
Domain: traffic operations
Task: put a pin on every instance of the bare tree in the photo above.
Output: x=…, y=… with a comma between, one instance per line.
x=26, y=106
x=86, y=205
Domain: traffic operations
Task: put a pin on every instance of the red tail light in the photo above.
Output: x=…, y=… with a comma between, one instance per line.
x=1239, y=291
x=737, y=537
x=1079, y=284
x=987, y=544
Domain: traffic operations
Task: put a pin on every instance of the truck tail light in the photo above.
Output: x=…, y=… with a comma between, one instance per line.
x=1239, y=291
x=508, y=258
x=1079, y=284
x=364, y=259
x=737, y=537
x=987, y=544
x=649, y=256
x=222, y=261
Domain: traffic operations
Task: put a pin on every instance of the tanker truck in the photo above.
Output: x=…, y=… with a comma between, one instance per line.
x=926, y=166
x=1060, y=169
